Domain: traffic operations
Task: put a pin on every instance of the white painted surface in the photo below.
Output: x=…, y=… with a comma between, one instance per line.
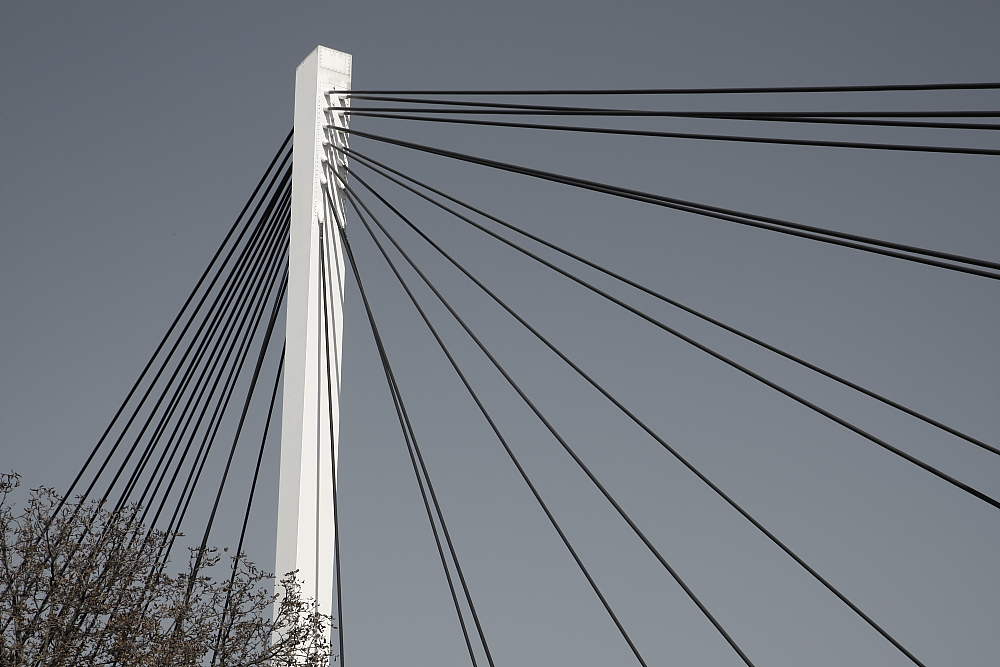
x=305, y=531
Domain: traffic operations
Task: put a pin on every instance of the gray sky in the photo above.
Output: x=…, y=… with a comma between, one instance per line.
x=133, y=132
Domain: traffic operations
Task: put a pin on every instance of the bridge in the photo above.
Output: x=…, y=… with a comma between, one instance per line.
x=291, y=256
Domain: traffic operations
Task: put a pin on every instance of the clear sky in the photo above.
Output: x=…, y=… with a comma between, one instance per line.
x=134, y=131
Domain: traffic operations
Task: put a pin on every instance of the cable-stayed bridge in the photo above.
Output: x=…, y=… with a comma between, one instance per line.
x=291, y=253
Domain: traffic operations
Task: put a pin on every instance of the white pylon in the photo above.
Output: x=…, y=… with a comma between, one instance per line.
x=305, y=540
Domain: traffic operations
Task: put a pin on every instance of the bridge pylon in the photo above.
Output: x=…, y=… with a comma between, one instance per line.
x=309, y=441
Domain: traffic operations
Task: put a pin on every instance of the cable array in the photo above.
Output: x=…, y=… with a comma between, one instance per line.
x=195, y=390
x=457, y=111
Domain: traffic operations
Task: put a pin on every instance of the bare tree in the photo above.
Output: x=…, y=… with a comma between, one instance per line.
x=91, y=587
